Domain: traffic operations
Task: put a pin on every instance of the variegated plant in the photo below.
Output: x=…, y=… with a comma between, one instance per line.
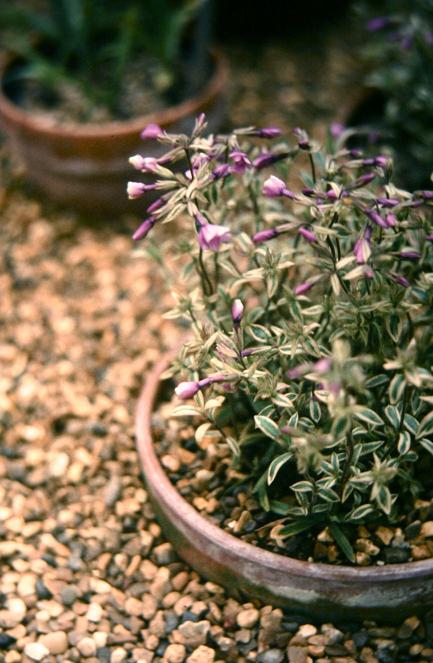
x=311, y=310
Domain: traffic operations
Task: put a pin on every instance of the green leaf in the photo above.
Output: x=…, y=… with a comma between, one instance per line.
x=396, y=388
x=393, y=416
x=280, y=508
x=426, y=425
x=259, y=333
x=360, y=512
x=411, y=424
x=384, y=499
x=376, y=381
x=315, y=411
x=369, y=416
x=267, y=426
x=299, y=526
x=277, y=464
x=302, y=487
x=404, y=442
x=343, y=542
x=233, y=445
x=185, y=411
x=340, y=426
x=328, y=495
x=427, y=444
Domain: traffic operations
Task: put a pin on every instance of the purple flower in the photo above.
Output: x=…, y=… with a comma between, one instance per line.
x=268, y=132
x=382, y=161
x=378, y=23
x=364, y=179
x=302, y=288
x=426, y=195
x=323, y=365
x=391, y=220
x=237, y=311
x=376, y=218
x=429, y=238
x=151, y=132
x=400, y=279
x=143, y=230
x=211, y=236
x=187, y=390
x=159, y=202
x=136, y=189
x=273, y=187
x=267, y=159
x=240, y=161
x=307, y=234
x=331, y=195
x=355, y=153
x=409, y=254
x=387, y=202
x=336, y=129
x=221, y=171
x=264, y=235
x=362, y=250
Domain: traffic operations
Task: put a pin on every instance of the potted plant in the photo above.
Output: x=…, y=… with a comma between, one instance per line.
x=79, y=80
x=398, y=54
x=304, y=441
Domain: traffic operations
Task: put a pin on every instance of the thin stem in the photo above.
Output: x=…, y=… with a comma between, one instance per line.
x=207, y=283
x=313, y=167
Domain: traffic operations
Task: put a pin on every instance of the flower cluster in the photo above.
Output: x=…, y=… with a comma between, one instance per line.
x=311, y=305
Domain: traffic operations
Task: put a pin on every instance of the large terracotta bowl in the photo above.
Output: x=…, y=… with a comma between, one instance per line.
x=385, y=593
x=86, y=165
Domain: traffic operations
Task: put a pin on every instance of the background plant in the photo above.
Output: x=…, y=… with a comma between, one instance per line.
x=399, y=55
x=311, y=308
x=94, y=43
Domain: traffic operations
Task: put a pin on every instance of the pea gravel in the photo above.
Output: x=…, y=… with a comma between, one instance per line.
x=85, y=573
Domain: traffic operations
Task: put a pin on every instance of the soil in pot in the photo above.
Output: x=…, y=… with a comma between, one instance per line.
x=222, y=491
x=143, y=91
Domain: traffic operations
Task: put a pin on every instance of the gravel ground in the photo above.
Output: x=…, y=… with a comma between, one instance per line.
x=86, y=574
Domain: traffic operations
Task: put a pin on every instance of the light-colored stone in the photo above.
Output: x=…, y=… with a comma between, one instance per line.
x=87, y=647
x=194, y=634
x=202, y=655
x=175, y=653
x=149, y=606
x=36, y=651
x=56, y=642
x=118, y=655
x=94, y=613
x=248, y=618
x=133, y=607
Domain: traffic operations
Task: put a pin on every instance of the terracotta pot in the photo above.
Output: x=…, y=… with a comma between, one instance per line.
x=86, y=165
x=385, y=593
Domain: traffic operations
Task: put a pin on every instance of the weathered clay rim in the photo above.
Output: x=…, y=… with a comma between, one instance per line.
x=164, y=117
x=167, y=494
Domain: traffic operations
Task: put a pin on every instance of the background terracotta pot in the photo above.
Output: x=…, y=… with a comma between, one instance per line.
x=385, y=593
x=86, y=165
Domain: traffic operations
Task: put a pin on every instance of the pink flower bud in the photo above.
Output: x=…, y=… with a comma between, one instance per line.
x=273, y=187
x=237, y=311
x=307, y=234
x=187, y=389
x=135, y=190
x=302, y=288
x=264, y=235
x=151, y=132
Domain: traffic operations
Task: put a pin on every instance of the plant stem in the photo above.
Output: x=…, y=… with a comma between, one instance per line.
x=313, y=167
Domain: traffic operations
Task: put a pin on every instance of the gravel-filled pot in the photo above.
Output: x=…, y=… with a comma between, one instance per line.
x=86, y=165
x=385, y=593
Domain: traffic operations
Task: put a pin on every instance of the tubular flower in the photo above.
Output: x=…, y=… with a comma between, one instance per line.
x=273, y=187
x=144, y=229
x=307, y=234
x=264, y=235
x=211, y=236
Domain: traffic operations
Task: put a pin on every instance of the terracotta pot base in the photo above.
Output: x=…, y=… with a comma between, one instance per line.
x=386, y=593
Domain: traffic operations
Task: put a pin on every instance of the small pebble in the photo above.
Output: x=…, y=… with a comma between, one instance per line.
x=36, y=651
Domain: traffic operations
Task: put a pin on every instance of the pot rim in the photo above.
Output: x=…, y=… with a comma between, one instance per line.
x=164, y=117
x=175, y=503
